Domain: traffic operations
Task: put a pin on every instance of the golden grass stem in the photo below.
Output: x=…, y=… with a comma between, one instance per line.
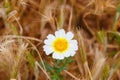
x=42, y=69
x=70, y=74
x=83, y=56
x=12, y=79
x=88, y=70
x=27, y=39
x=70, y=19
x=22, y=37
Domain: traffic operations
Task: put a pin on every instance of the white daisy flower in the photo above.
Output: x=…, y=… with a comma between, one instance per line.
x=61, y=44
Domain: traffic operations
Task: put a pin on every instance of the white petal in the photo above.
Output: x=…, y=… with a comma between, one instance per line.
x=72, y=53
x=48, y=49
x=69, y=35
x=73, y=41
x=73, y=44
x=56, y=33
x=66, y=54
x=57, y=56
x=48, y=41
x=60, y=33
x=50, y=36
x=74, y=47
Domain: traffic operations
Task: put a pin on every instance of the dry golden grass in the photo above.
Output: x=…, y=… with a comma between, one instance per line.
x=24, y=24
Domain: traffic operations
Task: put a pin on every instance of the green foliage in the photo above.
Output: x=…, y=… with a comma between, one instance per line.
x=7, y=6
x=111, y=54
x=101, y=36
x=116, y=36
x=30, y=59
x=118, y=7
x=105, y=72
x=14, y=29
x=59, y=66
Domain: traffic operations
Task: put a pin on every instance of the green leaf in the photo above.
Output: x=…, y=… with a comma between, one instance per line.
x=7, y=6
x=101, y=36
x=111, y=53
x=48, y=66
x=118, y=8
x=116, y=36
x=14, y=29
x=30, y=59
x=105, y=72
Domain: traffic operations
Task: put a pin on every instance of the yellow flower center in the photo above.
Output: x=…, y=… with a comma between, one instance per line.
x=60, y=45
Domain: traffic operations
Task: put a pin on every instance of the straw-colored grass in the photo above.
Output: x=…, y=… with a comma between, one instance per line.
x=24, y=24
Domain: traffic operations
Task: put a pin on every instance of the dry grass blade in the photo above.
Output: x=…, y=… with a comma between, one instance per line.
x=23, y=37
x=26, y=38
x=12, y=56
x=42, y=70
x=83, y=55
x=25, y=24
x=71, y=75
x=12, y=14
x=98, y=64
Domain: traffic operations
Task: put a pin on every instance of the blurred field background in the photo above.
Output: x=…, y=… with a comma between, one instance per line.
x=24, y=24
